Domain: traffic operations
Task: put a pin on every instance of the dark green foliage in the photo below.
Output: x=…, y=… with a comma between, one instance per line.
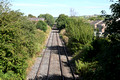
x=41, y=25
x=49, y=19
x=94, y=51
x=61, y=21
x=107, y=54
x=113, y=21
x=86, y=70
x=18, y=41
x=31, y=16
x=106, y=51
x=14, y=41
x=110, y=62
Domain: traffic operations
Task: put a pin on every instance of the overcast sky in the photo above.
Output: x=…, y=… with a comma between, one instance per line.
x=56, y=7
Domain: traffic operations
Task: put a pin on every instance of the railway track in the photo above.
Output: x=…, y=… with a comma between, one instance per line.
x=55, y=64
x=58, y=47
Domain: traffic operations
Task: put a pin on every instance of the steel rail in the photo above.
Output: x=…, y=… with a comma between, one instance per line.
x=58, y=47
x=50, y=58
x=36, y=77
x=66, y=53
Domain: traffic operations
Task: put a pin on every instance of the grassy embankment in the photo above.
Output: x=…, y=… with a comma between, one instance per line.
x=42, y=39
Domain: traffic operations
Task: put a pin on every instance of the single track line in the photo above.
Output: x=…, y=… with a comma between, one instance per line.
x=36, y=77
x=66, y=54
x=58, y=47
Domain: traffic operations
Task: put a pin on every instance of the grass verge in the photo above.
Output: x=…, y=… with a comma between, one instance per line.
x=42, y=39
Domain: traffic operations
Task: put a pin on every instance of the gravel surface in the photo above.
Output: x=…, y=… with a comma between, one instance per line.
x=34, y=69
x=54, y=69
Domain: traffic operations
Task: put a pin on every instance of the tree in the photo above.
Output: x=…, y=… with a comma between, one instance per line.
x=41, y=16
x=31, y=16
x=4, y=6
x=112, y=21
x=61, y=21
x=41, y=25
x=18, y=42
x=106, y=51
x=80, y=33
x=112, y=55
x=49, y=19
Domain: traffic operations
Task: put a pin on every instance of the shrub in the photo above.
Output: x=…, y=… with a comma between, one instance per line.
x=19, y=41
x=61, y=21
x=79, y=32
x=106, y=53
x=49, y=19
x=94, y=51
x=85, y=70
x=41, y=25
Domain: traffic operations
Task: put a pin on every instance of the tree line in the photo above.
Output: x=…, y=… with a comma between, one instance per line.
x=96, y=58
x=20, y=40
x=49, y=19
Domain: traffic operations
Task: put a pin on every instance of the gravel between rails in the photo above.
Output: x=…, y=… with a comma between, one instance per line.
x=54, y=72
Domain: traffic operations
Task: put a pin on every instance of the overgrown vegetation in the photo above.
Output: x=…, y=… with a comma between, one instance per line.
x=41, y=25
x=94, y=18
x=49, y=19
x=96, y=58
x=61, y=21
x=79, y=32
x=19, y=40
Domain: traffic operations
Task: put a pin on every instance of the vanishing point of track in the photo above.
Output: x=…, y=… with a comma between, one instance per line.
x=49, y=49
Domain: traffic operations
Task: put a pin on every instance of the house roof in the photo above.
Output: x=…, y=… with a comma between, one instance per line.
x=94, y=22
x=36, y=19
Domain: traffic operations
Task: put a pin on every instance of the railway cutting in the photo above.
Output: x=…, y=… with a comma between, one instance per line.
x=54, y=63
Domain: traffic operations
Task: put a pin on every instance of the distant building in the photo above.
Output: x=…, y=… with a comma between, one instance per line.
x=88, y=16
x=98, y=25
x=101, y=26
x=36, y=19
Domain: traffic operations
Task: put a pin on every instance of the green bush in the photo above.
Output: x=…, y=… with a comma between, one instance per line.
x=79, y=32
x=13, y=39
x=41, y=25
x=19, y=40
x=85, y=70
x=106, y=53
x=49, y=19
x=94, y=51
x=61, y=21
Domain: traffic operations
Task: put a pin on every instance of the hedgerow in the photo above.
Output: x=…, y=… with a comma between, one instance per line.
x=19, y=40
